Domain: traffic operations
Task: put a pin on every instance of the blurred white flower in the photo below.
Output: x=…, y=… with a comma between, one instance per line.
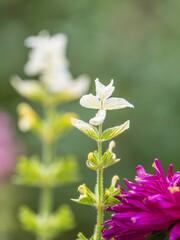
x=62, y=82
x=47, y=54
x=102, y=100
x=47, y=59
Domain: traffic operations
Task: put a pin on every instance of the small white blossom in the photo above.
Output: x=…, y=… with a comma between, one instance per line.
x=99, y=118
x=102, y=100
x=47, y=54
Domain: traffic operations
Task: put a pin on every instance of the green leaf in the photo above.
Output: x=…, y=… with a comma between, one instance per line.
x=56, y=124
x=86, y=128
x=47, y=226
x=113, y=132
x=33, y=173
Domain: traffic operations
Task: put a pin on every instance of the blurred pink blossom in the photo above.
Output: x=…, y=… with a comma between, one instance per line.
x=10, y=146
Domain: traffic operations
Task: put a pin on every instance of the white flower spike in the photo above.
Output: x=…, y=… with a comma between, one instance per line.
x=102, y=100
x=47, y=54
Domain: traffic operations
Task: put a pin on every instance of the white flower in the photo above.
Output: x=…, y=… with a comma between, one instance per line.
x=102, y=100
x=47, y=54
x=62, y=82
x=99, y=118
x=48, y=59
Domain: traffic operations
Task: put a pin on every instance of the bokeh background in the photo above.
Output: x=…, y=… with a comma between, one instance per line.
x=137, y=43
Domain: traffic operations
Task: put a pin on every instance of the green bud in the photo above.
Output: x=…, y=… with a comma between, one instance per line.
x=86, y=197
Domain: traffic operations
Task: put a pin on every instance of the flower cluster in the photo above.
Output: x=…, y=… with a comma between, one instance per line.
x=47, y=59
x=153, y=204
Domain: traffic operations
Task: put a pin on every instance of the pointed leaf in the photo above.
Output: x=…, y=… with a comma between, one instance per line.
x=113, y=132
x=86, y=128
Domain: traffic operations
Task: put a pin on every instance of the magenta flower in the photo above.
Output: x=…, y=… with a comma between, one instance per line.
x=152, y=204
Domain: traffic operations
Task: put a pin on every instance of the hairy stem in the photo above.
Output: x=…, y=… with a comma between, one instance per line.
x=100, y=191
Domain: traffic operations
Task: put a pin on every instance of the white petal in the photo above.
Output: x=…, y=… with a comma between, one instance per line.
x=99, y=118
x=25, y=88
x=103, y=92
x=80, y=86
x=90, y=101
x=116, y=103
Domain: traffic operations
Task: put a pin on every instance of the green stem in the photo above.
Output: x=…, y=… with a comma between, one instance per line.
x=46, y=195
x=100, y=191
x=45, y=203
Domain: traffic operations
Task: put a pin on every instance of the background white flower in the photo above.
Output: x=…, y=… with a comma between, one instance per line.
x=47, y=59
x=48, y=53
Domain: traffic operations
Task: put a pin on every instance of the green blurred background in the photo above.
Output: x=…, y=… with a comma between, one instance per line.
x=135, y=42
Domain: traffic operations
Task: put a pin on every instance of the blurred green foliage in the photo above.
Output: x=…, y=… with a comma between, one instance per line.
x=134, y=42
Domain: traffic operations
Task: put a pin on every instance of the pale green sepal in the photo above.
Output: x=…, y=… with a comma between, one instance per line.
x=86, y=197
x=111, y=200
x=86, y=128
x=47, y=226
x=107, y=160
x=115, y=131
x=81, y=237
x=108, y=195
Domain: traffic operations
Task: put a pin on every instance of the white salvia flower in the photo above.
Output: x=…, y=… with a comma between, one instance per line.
x=99, y=118
x=47, y=54
x=48, y=59
x=102, y=100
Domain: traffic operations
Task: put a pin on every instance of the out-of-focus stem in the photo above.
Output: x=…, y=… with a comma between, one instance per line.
x=46, y=194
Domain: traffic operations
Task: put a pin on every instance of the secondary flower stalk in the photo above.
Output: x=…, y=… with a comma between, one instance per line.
x=54, y=87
